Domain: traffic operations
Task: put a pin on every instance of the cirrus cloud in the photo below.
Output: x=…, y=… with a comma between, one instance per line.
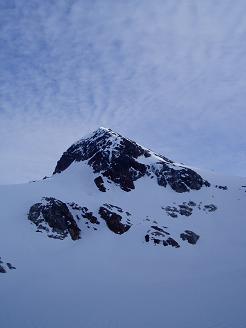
x=170, y=74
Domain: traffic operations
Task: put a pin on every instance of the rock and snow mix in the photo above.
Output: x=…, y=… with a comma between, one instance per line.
x=129, y=230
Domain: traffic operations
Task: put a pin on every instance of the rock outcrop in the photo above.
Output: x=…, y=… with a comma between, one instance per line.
x=100, y=183
x=187, y=208
x=2, y=269
x=190, y=236
x=54, y=217
x=113, y=219
x=82, y=212
x=160, y=236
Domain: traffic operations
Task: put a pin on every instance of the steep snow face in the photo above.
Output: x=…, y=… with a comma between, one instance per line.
x=73, y=255
x=123, y=161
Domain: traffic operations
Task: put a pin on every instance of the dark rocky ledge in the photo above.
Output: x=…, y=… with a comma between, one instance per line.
x=54, y=217
x=82, y=212
x=118, y=160
x=186, y=209
x=179, y=179
x=159, y=236
x=100, y=183
x=190, y=236
x=2, y=269
x=113, y=219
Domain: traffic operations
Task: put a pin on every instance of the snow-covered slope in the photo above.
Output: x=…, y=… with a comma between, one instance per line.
x=122, y=237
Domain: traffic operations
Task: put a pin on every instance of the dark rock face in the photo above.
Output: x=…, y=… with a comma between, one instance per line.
x=186, y=209
x=172, y=242
x=110, y=154
x=180, y=180
x=124, y=171
x=53, y=216
x=190, y=236
x=83, y=212
x=183, y=209
x=10, y=266
x=159, y=236
x=113, y=220
x=221, y=187
x=146, y=238
x=210, y=208
x=100, y=183
x=156, y=228
x=172, y=211
x=90, y=217
x=118, y=159
x=5, y=266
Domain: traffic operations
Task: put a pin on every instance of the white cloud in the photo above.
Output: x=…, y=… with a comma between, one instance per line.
x=169, y=74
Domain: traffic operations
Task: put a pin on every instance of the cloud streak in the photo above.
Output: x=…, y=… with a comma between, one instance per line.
x=170, y=74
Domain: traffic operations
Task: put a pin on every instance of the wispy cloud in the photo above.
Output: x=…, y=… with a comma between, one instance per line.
x=170, y=74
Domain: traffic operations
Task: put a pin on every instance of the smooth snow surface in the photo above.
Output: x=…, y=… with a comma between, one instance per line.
x=106, y=280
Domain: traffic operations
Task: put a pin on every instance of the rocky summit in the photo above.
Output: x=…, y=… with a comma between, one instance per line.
x=122, y=161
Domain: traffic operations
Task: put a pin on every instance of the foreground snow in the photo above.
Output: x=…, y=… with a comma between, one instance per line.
x=107, y=280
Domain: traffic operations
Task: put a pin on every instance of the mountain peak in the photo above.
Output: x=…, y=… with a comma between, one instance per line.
x=123, y=161
x=102, y=141
x=101, y=131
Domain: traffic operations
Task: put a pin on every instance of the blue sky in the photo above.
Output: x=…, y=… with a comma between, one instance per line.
x=169, y=74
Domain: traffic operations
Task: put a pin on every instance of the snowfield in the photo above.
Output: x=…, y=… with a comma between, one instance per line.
x=114, y=280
